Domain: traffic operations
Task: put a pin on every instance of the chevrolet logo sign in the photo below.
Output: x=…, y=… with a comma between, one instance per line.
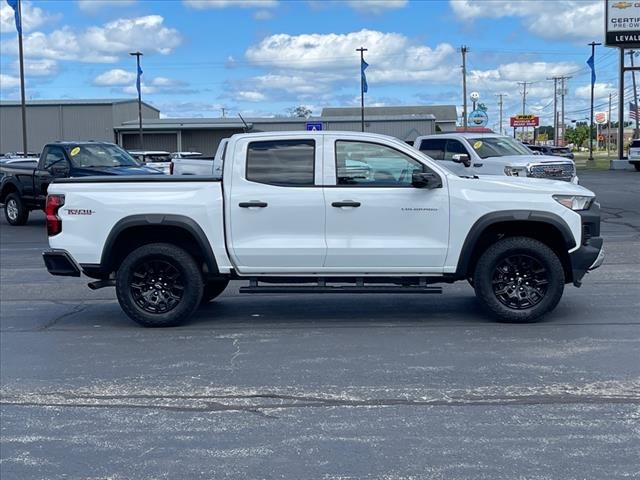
x=622, y=5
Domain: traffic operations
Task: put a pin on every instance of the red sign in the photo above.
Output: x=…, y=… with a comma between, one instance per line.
x=525, y=121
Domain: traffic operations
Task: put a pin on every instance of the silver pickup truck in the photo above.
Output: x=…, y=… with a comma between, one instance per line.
x=201, y=166
x=469, y=154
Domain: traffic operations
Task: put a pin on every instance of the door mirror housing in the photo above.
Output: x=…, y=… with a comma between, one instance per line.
x=462, y=158
x=426, y=180
x=60, y=169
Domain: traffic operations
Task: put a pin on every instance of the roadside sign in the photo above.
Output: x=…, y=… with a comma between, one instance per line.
x=525, y=121
x=622, y=24
x=314, y=126
x=600, y=118
x=478, y=118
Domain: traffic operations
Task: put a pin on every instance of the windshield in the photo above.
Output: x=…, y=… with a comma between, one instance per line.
x=96, y=155
x=497, y=147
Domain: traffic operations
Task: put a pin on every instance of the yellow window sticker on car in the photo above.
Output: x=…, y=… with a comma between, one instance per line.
x=75, y=151
x=477, y=145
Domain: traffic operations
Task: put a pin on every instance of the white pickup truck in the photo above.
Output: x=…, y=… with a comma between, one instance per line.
x=469, y=154
x=292, y=214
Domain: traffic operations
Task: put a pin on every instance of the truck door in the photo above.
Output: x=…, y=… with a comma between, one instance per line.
x=376, y=220
x=275, y=212
x=54, y=164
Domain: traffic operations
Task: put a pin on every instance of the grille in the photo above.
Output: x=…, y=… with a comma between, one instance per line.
x=553, y=171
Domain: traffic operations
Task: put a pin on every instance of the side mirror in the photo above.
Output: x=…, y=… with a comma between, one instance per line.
x=426, y=180
x=60, y=169
x=462, y=158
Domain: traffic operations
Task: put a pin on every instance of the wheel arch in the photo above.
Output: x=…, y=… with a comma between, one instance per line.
x=138, y=230
x=545, y=227
x=8, y=188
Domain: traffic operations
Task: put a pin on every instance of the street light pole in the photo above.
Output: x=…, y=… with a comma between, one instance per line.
x=593, y=66
x=362, y=85
x=138, y=73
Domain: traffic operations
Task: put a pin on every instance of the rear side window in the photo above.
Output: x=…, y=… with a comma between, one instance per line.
x=281, y=162
x=433, y=147
x=635, y=144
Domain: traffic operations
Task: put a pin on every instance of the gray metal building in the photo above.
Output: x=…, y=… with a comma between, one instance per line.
x=204, y=134
x=53, y=120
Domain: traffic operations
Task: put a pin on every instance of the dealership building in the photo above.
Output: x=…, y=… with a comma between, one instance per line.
x=117, y=121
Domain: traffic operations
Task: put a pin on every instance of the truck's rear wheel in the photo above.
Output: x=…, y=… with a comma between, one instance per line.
x=519, y=279
x=159, y=285
x=15, y=210
x=213, y=289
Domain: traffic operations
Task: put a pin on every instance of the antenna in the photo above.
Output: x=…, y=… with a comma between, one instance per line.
x=246, y=127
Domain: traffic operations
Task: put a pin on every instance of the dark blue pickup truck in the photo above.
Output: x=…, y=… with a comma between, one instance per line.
x=23, y=185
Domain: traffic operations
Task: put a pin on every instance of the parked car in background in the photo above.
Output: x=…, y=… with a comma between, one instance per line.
x=186, y=155
x=200, y=165
x=468, y=154
x=634, y=153
x=157, y=159
x=23, y=184
x=14, y=155
x=552, y=150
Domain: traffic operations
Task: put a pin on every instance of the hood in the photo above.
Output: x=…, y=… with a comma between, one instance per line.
x=99, y=171
x=524, y=159
x=529, y=184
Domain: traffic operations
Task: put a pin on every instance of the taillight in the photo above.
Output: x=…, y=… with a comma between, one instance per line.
x=171, y=168
x=54, y=222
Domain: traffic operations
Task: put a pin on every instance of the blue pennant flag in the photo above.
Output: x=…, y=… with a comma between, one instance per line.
x=16, y=13
x=363, y=67
x=591, y=63
x=138, y=79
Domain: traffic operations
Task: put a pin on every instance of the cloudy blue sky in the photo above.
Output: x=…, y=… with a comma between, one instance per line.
x=261, y=57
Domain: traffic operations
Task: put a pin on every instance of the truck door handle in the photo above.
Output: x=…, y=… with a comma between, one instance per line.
x=252, y=203
x=345, y=203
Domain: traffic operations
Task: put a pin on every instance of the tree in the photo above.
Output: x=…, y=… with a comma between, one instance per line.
x=546, y=130
x=578, y=135
x=300, y=111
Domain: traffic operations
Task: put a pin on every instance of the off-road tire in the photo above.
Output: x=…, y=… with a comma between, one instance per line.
x=15, y=210
x=213, y=289
x=505, y=298
x=153, y=277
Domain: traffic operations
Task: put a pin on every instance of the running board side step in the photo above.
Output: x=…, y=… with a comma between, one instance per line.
x=414, y=289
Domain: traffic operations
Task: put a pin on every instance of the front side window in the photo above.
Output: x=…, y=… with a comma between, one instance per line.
x=454, y=147
x=281, y=162
x=498, y=147
x=373, y=165
x=55, y=156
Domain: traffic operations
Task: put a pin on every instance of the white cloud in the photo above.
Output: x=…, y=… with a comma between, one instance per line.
x=376, y=7
x=263, y=15
x=93, y=6
x=32, y=17
x=250, y=96
x=601, y=91
x=115, y=77
x=38, y=68
x=8, y=82
x=103, y=44
x=578, y=20
x=204, y=4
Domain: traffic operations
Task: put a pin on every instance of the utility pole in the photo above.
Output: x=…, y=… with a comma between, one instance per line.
x=224, y=111
x=500, y=95
x=635, y=91
x=555, y=108
x=363, y=87
x=138, y=73
x=563, y=92
x=609, y=127
x=463, y=51
x=593, y=77
x=524, y=103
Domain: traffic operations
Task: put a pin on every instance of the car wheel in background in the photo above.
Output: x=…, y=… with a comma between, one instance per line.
x=15, y=211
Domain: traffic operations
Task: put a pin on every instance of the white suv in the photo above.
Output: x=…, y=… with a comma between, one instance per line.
x=634, y=153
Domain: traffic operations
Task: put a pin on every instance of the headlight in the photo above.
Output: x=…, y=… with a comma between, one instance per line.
x=515, y=171
x=574, y=202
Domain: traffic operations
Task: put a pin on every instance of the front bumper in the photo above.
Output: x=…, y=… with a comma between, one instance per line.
x=590, y=255
x=59, y=262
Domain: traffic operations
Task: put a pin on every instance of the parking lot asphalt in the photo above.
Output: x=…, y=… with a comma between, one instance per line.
x=330, y=387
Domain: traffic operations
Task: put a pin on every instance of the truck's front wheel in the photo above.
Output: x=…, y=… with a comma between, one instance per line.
x=159, y=285
x=15, y=210
x=519, y=279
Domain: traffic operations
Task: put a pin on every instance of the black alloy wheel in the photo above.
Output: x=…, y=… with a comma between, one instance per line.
x=157, y=285
x=520, y=282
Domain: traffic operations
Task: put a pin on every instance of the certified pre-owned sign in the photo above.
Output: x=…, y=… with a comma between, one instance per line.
x=622, y=24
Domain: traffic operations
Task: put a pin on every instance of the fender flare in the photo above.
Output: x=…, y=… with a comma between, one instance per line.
x=486, y=221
